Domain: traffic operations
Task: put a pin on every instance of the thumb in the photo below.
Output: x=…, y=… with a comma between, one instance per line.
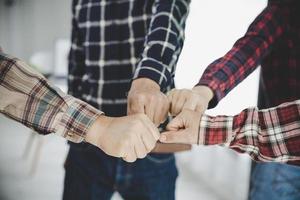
x=176, y=124
x=179, y=136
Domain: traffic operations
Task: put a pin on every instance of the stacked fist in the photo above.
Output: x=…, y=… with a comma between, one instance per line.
x=135, y=135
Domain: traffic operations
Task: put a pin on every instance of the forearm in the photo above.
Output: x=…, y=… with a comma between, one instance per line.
x=163, y=42
x=270, y=135
x=247, y=53
x=27, y=97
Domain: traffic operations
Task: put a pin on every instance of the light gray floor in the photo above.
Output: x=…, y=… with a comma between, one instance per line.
x=46, y=184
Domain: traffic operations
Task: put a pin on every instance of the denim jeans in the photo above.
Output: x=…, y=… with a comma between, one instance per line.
x=93, y=175
x=274, y=181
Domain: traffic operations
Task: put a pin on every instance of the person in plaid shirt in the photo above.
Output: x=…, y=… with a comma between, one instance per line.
x=272, y=41
x=122, y=61
x=267, y=135
x=27, y=97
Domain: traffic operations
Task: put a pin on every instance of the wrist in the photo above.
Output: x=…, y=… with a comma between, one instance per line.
x=204, y=91
x=98, y=129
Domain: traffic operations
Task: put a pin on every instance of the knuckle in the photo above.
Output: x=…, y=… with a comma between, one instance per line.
x=139, y=118
x=141, y=97
x=127, y=141
x=143, y=155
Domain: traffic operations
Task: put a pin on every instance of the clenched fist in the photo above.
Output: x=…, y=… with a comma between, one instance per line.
x=196, y=99
x=183, y=129
x=145, y=97
x=129, y=137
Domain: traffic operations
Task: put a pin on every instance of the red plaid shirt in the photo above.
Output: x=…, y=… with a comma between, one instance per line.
x=272, y=41
x=269, y=135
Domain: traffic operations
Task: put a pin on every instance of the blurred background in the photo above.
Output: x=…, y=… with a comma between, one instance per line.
x=38, y=31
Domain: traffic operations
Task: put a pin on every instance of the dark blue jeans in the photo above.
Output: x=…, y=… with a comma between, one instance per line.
x=93, y=175
x=274, y=181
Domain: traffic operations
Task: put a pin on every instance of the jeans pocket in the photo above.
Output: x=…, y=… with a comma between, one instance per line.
x=160, y=158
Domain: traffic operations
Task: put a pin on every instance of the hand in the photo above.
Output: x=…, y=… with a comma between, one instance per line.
x=145, y=97
x=129, y=137
x=196, y=99
x=183, y=128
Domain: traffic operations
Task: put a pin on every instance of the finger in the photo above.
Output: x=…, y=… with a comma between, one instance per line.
x=139, y=147
x=201, y=108
x=148, y=141
x=176, y=123
x=179, y=104
x=190, y=104
x=180, y=136
x=130, y=156
x=173, y=98
x=161, y=112
x=171, y=92
x=135, y=106
x=150, y=109
x=151, y=128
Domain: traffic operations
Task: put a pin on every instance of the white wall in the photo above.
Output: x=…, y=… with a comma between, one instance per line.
x=29, y=26
x=213, y=26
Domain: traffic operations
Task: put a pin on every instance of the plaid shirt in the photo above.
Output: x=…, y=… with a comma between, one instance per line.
x=27, y=97
x=272, y=41
x=266, y=135
x=115, y=41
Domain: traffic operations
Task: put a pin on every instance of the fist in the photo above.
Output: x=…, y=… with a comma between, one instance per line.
x=145, y=97
x=196, y=99
x=129, y=137
x=183, y=129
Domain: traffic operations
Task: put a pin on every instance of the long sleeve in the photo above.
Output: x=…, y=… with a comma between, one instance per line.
x=163, y=42
x=246, y=55
x=269, y=135
x=27, y=97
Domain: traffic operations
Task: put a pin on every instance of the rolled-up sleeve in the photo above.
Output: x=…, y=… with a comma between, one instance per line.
x=27, y=97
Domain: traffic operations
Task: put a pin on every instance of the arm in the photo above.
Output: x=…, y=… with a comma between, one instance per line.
x=155, y=71
x=163, y=42
x=225, y=73
x=266, y=135
x=27, y=97
x=269, y=135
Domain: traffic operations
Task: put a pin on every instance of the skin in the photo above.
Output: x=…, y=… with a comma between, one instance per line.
x=145, y=97
x=129, y=137
x=188, y=107
x=183, y=129
x=134, y=136
x=196, y=99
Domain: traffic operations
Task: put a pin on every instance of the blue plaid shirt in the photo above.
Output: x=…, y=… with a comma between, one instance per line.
x=116, y=41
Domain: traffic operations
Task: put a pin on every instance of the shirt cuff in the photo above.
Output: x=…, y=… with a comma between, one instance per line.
x=155, y=71
x=213, y=84
x=76, y=120
x=216, y=130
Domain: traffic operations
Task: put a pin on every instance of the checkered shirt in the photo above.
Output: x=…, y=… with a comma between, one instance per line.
x=27, y=97
x=272, y=41
x=268, y=135
x=116, y=41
